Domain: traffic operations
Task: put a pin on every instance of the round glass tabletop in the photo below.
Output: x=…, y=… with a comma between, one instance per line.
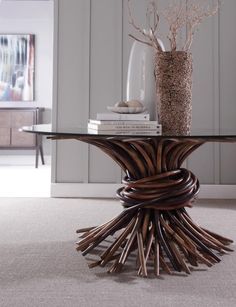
x=46, y=129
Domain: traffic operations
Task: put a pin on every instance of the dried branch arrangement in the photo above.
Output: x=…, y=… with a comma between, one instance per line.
x=153, y=19
x=179, y=15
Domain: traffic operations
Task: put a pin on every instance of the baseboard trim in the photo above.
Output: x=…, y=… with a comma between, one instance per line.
x=102, y=190
x=84, y=190
x=215, y=191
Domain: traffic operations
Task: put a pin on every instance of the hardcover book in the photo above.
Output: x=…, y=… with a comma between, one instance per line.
x=122, y=122
x=124, y=127
x=125, y=132
x=119, y=116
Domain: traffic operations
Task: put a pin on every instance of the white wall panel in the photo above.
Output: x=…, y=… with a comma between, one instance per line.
x=105, y=76
x=93, y=52
x=228, y=88
x=72, y=109
x=205, y=97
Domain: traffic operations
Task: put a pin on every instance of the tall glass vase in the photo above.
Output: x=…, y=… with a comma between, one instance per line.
x=141, y=84
x=173, y=72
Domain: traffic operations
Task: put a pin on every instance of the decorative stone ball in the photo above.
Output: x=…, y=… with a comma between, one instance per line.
x=121, y=104
x=134, y=104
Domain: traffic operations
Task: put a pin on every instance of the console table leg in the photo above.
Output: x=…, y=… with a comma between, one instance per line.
x=41, y=154
x=36, y=156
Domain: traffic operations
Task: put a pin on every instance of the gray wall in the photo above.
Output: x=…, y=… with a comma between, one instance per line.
x=36, y=18
x=91, y=56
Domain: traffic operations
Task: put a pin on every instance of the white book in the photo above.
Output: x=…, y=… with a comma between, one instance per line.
x=122, y=122
x=119, y=116
x=140, y=126
x=118, y=132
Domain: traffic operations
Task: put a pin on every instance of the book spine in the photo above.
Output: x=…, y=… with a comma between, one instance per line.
x=116, y=116
x=124, y=127
x=124, y=132
x=122, y=122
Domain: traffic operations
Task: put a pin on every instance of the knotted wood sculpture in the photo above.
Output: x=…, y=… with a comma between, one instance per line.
x=154, y=224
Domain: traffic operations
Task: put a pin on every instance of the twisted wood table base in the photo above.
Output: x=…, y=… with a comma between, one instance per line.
x=154, y=224
x=164, y=238
x=167, y=240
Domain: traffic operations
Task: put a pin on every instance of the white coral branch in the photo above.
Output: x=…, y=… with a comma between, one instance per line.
x=178, y=16
x=195, y=16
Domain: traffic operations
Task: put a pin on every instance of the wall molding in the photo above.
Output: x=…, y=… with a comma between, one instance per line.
x=101, y=190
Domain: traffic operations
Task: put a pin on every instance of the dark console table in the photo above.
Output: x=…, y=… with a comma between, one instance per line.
x=154, y=225
x=11, y=119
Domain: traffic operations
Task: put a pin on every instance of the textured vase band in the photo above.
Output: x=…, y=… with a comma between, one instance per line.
x=173, y=72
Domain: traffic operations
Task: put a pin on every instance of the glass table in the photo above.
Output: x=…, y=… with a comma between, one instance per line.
x=154, y=225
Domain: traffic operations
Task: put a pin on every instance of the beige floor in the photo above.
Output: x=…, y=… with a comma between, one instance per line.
x=20, y=178
x=39, y=265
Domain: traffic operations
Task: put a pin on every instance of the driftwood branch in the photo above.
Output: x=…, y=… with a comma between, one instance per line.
x=139, y=40
x=150, y=35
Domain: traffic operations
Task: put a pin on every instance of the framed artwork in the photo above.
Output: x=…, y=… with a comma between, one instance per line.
x=17, y=64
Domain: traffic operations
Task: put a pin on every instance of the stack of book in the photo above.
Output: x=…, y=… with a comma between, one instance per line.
x=115, y=123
